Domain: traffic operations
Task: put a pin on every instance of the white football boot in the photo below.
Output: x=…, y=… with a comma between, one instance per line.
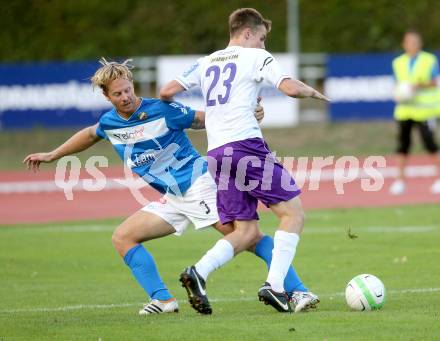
x=303, y=300
x=160, y=307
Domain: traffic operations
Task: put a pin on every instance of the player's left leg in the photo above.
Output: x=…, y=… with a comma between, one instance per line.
x=127, y=239
x=280, y=193
x=291, y=216
x=285, y=241
x=300, y=297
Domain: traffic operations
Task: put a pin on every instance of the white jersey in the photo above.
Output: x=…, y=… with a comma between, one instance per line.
x=231, y=80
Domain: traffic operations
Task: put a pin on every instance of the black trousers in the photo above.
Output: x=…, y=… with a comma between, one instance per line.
x=426, y=133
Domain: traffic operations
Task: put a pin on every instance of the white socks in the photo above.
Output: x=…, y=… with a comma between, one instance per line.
x=282, y=256
x=220, y=254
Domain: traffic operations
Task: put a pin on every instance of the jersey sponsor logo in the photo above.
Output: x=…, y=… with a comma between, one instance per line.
x=141, y=132
x=164, y=166
x=143, y=159
x=190, y=70
x=130, y=135
x=223, y=59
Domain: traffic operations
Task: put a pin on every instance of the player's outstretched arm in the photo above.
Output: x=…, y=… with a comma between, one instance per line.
x=297, y=89
x=169, y=90
x=80, y=141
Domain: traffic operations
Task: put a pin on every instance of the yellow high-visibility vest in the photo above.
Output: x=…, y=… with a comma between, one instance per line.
x=426, y=102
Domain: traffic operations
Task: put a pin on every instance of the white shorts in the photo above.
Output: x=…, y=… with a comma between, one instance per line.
x=198, y=206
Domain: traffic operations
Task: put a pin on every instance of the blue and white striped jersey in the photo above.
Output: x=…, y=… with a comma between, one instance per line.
x=153, y=144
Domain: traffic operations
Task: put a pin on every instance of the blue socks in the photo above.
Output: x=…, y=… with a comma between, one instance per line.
x=263, y=249
x=144, y=269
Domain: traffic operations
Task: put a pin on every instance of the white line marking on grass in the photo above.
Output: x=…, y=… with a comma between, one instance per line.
x=389, y=292
x=371, y=229
x=413, y=291
x=183, y=300
x=69, y=308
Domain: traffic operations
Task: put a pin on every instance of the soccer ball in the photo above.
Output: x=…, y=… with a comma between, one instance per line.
x=403, y=92
x=365, y=292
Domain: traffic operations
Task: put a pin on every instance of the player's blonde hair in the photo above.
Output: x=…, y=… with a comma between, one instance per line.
x=109, y=71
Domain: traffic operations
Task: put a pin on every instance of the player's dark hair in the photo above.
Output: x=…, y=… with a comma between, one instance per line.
x=247, y=18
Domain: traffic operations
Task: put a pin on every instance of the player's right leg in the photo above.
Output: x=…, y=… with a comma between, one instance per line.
x=236, y=207
x=279, y=192
x=127, y=239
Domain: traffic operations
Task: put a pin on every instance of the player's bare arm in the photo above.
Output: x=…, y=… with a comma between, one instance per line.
x=80, y=141
x=297, y=89
x=170, y=90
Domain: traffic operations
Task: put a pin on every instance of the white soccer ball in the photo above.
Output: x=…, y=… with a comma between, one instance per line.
x=365, y=292
x=403, y=92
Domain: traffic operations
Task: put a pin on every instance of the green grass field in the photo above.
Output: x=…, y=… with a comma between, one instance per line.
x=65, y=282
